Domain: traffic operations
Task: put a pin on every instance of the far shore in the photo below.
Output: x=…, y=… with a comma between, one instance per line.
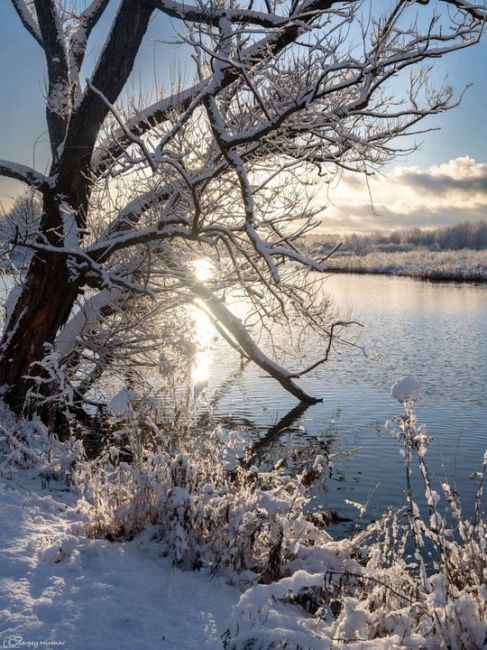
x=473, y=278
x=437, y=266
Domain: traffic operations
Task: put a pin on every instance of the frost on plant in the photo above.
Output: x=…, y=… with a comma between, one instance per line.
x=389, y=593
x=412, y=579
x=405, y=389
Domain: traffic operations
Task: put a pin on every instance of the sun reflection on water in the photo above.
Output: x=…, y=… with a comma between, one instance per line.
x=203, y=331
x=203, y=334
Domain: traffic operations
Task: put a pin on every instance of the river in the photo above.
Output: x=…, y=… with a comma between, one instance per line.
x=433, y=331
x=436, y=332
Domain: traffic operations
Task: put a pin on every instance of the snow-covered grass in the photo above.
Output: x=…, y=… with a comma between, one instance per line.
x=421, y=580
x=207, y=507
x=461, y=265
x=61, y=587
x=110, y=562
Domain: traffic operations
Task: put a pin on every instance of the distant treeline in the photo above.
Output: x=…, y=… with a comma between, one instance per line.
x=468, y=235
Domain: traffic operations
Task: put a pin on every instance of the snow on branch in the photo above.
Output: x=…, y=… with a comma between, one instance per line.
x=476, y=11
x=141, y=123
x=87, y=316
x=83, y=267
x=28, y=20
x=104, y=249
x=24, y=174
x=211, y=16
x=239, y=332
x=134, y=139
x=254, y=54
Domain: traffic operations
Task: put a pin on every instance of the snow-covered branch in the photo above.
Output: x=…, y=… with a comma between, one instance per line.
x=24, y=174
x=28, y=20
x=87, y=316
x=239, y=332
x=101, y=251
x=476, y=11
x=202, y=14
x=253, y=54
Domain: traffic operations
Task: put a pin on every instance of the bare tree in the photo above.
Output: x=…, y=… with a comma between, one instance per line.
x=284, y=92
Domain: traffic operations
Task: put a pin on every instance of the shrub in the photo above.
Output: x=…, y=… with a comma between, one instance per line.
x=205, y=507
x=397, y=597
x=412, y=579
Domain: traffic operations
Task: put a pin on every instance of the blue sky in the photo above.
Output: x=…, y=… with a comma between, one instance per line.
x=22, y=135
x=22, y=83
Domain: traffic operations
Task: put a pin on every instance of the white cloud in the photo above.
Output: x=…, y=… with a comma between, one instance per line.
x=408, y=197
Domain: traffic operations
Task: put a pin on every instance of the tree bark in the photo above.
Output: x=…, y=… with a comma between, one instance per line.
x=48, y=294
x=42, y=308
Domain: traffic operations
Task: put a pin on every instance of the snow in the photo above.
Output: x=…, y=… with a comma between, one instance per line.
x=58, y=98
x=22, y=173
x=258, y=596
x=58, y=586
x=70, y=227
x=86, y=317
x=406, y=388
x=120, y=403
x=458, y=265
x=11, y=301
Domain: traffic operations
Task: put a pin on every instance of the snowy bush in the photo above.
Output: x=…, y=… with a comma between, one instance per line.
x=29, y=443
x=420, y=583
x=205, y=509
x=414, y=579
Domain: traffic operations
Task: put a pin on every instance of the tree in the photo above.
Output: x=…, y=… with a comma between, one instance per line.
x=283, y=92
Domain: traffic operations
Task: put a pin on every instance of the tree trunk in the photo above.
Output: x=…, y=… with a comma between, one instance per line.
x=48, y=295
x=43, y=306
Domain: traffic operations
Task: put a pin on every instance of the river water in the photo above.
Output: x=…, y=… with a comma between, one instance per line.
x=435, y=332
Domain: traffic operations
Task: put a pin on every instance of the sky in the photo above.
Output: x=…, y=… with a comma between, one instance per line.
x=443, y=182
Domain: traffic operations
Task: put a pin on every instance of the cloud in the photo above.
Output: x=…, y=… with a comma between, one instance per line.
x=408, y=197
x=459, y=175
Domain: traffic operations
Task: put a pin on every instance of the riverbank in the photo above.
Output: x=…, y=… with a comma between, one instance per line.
x=61, y=589
x=92, y=552
x=447, y=266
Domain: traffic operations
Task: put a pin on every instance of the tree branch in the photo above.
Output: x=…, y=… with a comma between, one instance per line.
x=59, y=92
x=112, y=71
x=79, y=38
x=203, y=15
x=28, y=20
x=239, y=332
x=160, y=111
x=24, y=174
x=475, y=11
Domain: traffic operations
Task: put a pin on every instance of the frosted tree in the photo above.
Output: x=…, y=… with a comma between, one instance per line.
x=284, y=92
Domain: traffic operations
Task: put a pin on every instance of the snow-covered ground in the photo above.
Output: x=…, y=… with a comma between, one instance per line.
x=462, y=265
x=60, y=589
x=301, y=588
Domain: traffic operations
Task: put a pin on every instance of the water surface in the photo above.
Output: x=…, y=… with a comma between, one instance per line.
x=436, y=332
